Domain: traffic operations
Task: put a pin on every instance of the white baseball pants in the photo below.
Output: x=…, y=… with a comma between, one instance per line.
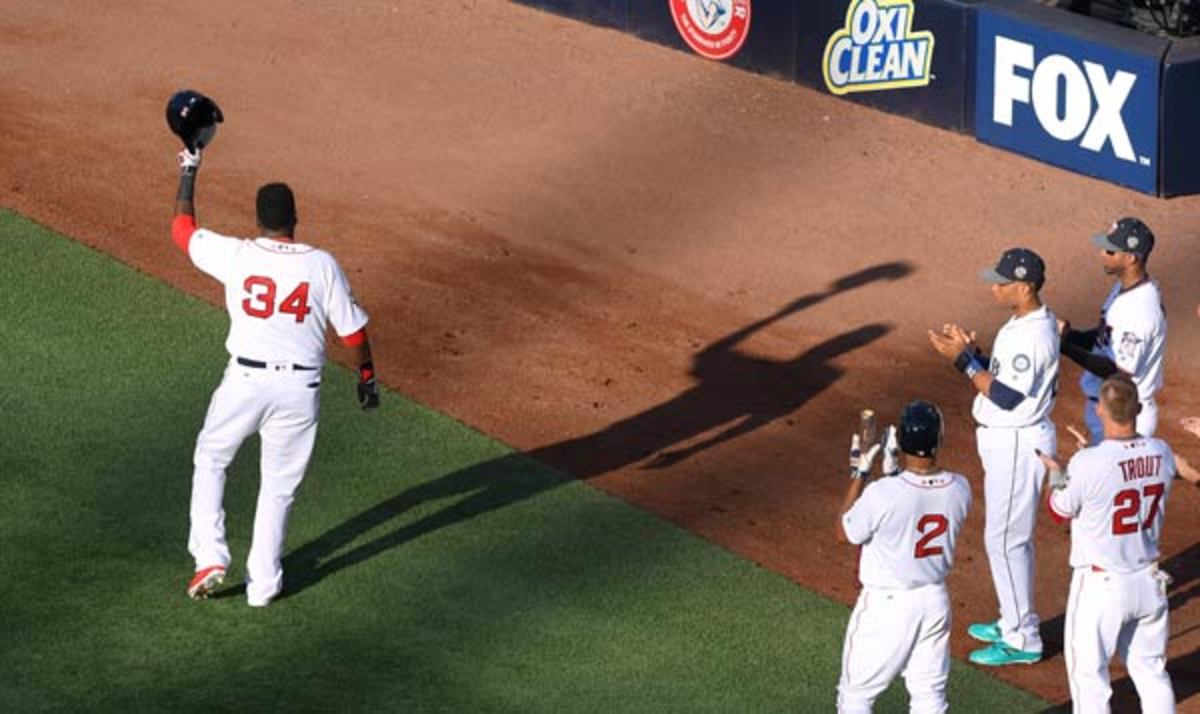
x=1124, y=614
x=894, y=631
x=1012, y=488
x=1147, y=420
x=278, y=403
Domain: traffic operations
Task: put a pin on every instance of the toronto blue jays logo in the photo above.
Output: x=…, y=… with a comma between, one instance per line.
x=715, y=29
x=711, y=12
x=877, y=49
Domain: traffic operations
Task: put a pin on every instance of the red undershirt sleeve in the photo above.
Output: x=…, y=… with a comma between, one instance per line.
x=355, y=339
x=1054, y=514
x=182, y=229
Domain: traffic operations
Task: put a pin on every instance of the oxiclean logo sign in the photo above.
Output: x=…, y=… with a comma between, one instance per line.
x=877, y=49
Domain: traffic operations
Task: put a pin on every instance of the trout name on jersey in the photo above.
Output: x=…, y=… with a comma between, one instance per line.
x=1141, y=467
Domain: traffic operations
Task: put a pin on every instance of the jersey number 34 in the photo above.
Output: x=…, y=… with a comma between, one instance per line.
x=261, y=303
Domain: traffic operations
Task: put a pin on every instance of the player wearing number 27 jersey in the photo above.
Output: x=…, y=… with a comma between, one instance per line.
x=1115, y=495
x=907, y=525
x=281, y=296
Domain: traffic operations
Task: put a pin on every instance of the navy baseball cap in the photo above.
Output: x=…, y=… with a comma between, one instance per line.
x=1128, y=235
x=1017, y=264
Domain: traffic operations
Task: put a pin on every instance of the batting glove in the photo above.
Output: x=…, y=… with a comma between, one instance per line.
x=189, y=161
x=1057, y=478
x=368, y=388
x=891, y=453
x=860, y=463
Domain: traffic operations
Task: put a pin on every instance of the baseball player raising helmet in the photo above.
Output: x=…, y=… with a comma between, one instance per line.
x=1016, y=389
x=1132, y=334
x=907, y=525
x=1115, y=496
x=280, y=295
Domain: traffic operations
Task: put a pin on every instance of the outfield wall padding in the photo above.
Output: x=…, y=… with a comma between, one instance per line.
x=1082, y=94
x=611, y=13
x=1180, y=110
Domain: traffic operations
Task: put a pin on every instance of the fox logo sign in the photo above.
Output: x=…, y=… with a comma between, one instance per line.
x=877, y=49
x=1058, y=81
x=1049, y=88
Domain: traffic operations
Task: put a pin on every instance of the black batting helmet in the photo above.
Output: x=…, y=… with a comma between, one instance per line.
x=920, y=432
x=193, y=117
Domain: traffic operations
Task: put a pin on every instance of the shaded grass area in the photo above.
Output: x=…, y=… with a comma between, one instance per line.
x=430, y=568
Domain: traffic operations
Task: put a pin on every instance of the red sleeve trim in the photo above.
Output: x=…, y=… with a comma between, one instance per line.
x=182, y=229
x=355, y=339
x=1054, y=514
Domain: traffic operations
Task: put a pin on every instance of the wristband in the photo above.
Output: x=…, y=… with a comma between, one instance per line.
x=187, y=185
x=968, y=364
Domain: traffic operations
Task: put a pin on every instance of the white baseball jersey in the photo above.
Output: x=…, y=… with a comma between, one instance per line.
x=1116, y=497
x=280, y=296
x=907, y=526
x=1133, y=334
x=1024, y=358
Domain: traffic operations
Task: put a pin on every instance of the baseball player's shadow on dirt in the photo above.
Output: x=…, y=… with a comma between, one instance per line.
x=735, y=392
x=1184, y=568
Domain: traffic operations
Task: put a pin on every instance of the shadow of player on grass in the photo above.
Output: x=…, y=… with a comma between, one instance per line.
x=735, y=392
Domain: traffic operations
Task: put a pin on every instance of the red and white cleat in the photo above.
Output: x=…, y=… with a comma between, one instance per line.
x=204, y=581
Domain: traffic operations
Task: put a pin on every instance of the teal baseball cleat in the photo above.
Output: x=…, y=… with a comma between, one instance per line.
x=999, y=654
x=986, y=632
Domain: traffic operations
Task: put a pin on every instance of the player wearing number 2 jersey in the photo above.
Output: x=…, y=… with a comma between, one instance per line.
x=281, y=296
x=907, y=525
x=1115, y=495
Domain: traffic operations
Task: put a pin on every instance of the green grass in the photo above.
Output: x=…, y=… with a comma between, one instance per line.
x=429, y=567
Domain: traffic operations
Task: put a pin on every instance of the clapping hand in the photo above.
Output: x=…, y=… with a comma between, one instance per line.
x=860, y=463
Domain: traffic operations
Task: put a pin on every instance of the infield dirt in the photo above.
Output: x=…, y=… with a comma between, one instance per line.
x=677, y=280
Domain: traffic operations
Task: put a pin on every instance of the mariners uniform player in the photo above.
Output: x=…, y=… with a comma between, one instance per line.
x=1132, y=334
x=1115, y=495
x=280, y=295
x=1016, y=391
x=907, y=526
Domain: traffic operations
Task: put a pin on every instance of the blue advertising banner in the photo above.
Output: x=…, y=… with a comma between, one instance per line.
x=1055, y=90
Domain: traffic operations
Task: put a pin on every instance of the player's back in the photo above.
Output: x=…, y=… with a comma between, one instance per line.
x=917, y=518
x=1120, y=490
x=280, y=296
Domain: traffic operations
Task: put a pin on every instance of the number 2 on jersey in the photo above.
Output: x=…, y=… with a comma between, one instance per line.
x=930, y=525
x=1127, y=505
x=261, y=303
